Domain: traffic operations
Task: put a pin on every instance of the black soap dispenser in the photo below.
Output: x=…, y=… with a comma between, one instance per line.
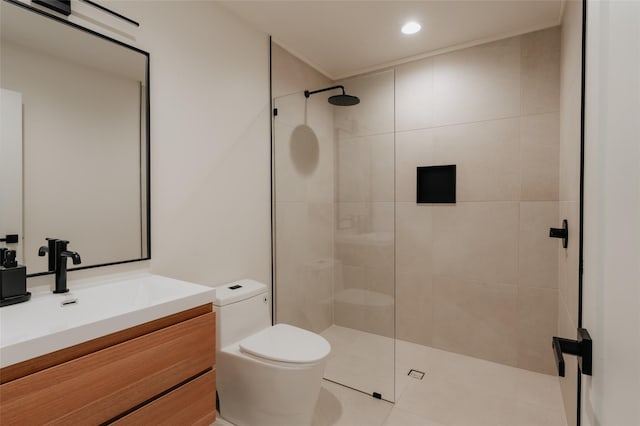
x=13, y=279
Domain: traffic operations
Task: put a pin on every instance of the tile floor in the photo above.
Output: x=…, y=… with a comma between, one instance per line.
x=361, y=360
x=457, y=390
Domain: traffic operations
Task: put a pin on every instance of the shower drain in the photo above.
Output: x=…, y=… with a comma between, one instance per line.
x=416, y=374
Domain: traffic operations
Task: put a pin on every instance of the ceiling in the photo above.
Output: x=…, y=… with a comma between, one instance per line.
x=345, y=38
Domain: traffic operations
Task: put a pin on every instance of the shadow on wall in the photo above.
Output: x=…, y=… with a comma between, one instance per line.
x=304, y=150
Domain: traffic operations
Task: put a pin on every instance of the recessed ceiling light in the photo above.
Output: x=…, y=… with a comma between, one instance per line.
x=411, y=27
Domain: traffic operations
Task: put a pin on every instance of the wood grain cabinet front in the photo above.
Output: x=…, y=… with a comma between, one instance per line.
x=167, y=373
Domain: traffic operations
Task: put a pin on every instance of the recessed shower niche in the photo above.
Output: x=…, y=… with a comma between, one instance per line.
x=436, y=184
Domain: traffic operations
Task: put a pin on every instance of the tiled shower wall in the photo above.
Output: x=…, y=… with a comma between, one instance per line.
x=303, y=164
x=364, y=236
x=481, y=277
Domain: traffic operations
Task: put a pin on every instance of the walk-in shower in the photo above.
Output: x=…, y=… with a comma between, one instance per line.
x=386, y=243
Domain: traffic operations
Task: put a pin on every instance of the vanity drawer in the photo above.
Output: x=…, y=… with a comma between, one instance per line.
x=190, y=404
x=102, y=385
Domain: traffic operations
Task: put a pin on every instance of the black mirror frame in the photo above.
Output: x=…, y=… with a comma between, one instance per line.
x=147, y=122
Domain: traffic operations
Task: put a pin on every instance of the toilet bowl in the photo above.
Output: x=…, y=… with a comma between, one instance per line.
x=266, y=375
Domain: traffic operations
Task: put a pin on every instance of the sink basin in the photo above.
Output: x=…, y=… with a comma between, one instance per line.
x=93, y=308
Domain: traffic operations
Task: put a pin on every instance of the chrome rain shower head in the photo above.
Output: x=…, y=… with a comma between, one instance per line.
x=339, y=100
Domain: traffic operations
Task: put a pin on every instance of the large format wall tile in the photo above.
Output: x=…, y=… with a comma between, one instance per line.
x=475, y=318
x=413, y=149
x=303, y=296
x=365, y=168
x=537, y=323
x=381, y=280
x=382, y=216
x=414, y=95
x=314, y=112
x=379, y=314
x=414, y=307
x=352, y=217
x=375, y=112
x=478, y=83
x=539, y=158
x=304, y=231
x=537, y=253
x=304, y=265
x=493, y=110
x=486, y=155
x=541, y=71
x=353, y=179
x=414, y=239
x=477, y=241
x=350, y=312
x=366, y=302
x=382, y=167
x=354, y=276
x=303, y=157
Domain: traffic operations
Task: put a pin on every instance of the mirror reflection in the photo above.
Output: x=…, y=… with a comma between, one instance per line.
x=74, y=146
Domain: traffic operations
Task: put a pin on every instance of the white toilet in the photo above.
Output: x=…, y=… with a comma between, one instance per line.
x=266, y=375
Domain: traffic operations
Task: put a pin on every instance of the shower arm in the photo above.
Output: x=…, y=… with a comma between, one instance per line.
x=308, y=93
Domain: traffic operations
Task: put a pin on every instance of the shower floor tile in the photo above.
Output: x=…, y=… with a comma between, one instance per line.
x=361, y=360
x=456, y=390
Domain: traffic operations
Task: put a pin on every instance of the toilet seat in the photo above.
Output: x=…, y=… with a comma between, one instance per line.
x=286, y=343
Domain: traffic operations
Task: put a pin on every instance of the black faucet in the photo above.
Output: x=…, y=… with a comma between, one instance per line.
x=58, y=255
x=61, y=265
x=51, y=249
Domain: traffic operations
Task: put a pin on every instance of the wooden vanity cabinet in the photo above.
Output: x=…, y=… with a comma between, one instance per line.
x=160, y=372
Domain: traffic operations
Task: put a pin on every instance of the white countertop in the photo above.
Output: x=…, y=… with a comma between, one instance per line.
x=104, y=305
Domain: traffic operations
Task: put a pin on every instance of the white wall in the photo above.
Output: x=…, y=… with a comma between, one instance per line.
x=210, y=179
x=611, y=283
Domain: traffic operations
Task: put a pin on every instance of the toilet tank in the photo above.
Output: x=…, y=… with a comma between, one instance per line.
x=242, y=309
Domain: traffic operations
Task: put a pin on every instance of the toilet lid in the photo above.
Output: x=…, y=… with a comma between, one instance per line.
x=286, y=343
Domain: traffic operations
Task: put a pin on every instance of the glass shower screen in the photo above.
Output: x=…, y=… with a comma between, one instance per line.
x=334, y=236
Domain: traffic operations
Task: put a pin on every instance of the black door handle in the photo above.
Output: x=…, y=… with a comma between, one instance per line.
x=561, y=233
x=582, y=348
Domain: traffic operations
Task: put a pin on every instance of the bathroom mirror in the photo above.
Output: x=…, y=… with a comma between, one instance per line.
x=74, y=154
